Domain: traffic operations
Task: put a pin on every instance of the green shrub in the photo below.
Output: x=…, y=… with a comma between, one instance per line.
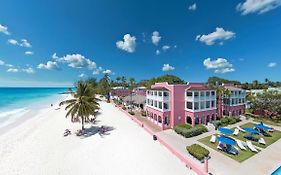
x=190, y=132
x=186, y=126
x=143, y=113
x=131, y=112
x=198, y=151
x=124, y=108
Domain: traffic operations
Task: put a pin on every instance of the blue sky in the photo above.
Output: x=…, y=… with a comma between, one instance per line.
x=55, y=43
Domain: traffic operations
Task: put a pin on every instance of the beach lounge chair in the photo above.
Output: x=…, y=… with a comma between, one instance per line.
x=262, y=141
x=231, y=150
x=236, y=131
x=251, y=146
x=240, y=129
x=213, y=139
x=220, y=146
x=240, y=144
x=252, y=138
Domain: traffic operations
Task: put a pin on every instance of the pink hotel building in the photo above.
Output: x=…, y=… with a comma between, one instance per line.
x=168, y=105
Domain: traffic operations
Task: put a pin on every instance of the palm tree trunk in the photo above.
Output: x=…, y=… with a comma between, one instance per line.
x=83, y=124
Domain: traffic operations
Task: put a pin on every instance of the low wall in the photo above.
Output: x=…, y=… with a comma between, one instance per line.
x=188, y=162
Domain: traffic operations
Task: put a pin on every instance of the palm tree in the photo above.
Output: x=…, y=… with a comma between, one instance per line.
x=118, y=79
x=131, y=87
x=83, y=105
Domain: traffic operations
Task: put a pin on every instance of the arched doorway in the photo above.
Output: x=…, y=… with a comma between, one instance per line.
x=203, y=120
x=207, y=119
x=196, y=120
x=159, y=119
x=188, y=120
x=213, y=117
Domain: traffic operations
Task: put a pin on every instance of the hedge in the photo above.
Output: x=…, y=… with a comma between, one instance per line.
x=190, y=132
x=124, y=108
x=198, y=151
x=131, y=112
x=143, y=113
x=226, y=121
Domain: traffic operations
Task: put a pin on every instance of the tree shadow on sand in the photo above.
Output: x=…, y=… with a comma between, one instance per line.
x=88, y=132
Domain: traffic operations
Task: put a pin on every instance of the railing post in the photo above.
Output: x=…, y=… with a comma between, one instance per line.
x=206, y=164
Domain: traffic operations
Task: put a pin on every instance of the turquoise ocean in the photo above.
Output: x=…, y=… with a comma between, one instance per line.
x=15, y=102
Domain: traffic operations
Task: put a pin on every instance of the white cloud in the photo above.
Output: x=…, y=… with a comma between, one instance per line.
x=107, y=71
x=272, y=64
x=4, y=29
x=220, y=65
x=167, y=67
x=76, y=61
x=157, y=52
x=13, y=41
x=224, y=70
x=166, y=47
x=29, y=53
x=193, y=7
x=49, y=66
x=219, y=35
x=13, y=70
x=82, y=75
x=54, y=56
x=2, y=63
x=155, y=38
x=128, y=44
x=28, y=70
x=97, y=70
x=257, y=6
x=23, y=43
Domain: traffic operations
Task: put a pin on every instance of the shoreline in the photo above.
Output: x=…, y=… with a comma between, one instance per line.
x=32, y=113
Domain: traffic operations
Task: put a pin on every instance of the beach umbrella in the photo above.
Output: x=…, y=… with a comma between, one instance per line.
x=226, y=140
x=251, y=130
x=225, y=131
x=263, y=127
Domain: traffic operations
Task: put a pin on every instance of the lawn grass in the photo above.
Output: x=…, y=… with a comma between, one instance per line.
x=242, y=155
x=276, y=135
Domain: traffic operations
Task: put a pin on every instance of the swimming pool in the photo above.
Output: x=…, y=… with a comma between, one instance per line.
x=277, y=171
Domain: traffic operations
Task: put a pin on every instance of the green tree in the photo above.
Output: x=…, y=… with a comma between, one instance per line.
x=104, y=86
x=171, y=79
x=83, y=105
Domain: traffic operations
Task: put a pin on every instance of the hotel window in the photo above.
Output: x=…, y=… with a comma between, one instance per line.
x=212, y=104
x=160, y=94
x=155, y=93
x=160, y=105
x=239, y=92
x=196, y=94
x=202, y=94
x=166, y=94
x=155, y=103
x=240, y=100
x=189, y=105
x=243, y=100
x=213, y=93
x=208, y=93
x=207, y=104
x=166, y=106
x=189, y=94
x=202, y=105
x=196, y=105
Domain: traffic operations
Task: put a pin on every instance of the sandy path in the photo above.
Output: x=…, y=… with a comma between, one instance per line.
x=38, y=147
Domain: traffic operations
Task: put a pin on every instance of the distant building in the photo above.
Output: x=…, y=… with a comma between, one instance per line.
x=140, y=91
x=117, y=92
x=234, y=104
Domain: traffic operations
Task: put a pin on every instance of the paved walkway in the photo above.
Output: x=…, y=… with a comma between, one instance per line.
x=262, y=163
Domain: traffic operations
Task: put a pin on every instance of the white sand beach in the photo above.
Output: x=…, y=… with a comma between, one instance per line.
x=38, y=147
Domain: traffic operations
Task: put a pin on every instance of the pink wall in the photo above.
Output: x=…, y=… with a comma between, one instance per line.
x=234, y=108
